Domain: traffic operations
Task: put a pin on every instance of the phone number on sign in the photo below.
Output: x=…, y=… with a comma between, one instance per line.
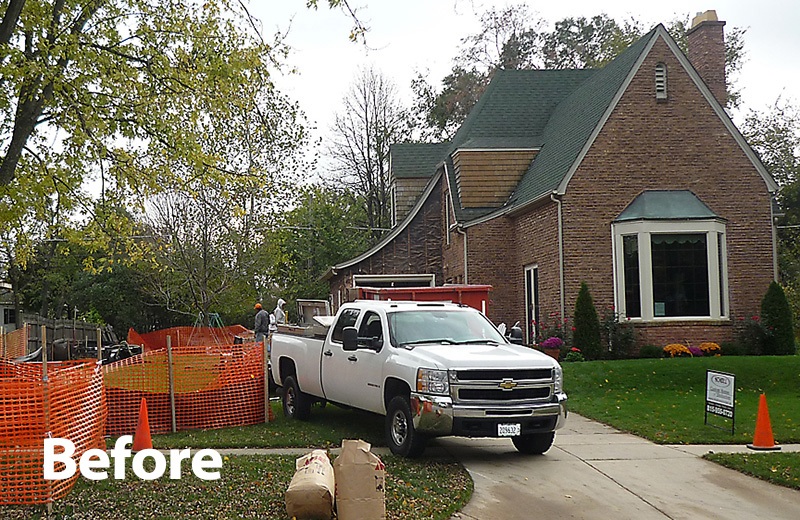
x=718, y=410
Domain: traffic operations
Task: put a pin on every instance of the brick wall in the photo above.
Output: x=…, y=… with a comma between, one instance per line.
x=677, y=144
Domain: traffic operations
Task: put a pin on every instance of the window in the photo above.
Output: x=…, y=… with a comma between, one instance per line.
x=370, y=334
x=347, y=319
x=9, y=316
x=670, y=269
x=661, y=81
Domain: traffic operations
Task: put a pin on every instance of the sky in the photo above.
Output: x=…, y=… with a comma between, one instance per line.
x=406, y=36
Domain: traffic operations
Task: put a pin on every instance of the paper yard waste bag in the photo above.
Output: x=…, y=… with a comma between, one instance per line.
x=310, y=493
x=360, y=483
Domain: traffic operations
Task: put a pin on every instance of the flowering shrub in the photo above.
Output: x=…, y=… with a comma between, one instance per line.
x=574, y=354
x=676, y=349
x=552, y=342
x=695, y=351
x=710, y=349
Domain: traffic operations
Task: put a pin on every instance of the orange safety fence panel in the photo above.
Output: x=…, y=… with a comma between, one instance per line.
x=187, y=336
x=216, y=386
x=70, y=405
x=14, y=344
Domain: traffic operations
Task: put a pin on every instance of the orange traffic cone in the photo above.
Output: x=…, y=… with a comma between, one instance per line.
x=763, y=440
x=142, y=440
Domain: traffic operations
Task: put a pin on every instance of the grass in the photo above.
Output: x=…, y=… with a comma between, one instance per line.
x=326, y=428
x=779, y=468
x=252, y=487
x=664, y=399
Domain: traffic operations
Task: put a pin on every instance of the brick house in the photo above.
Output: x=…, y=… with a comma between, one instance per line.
x=631, y=178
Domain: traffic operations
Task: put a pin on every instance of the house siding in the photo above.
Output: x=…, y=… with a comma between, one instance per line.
x=407, y=192
x=504, y=167
x=415, y=250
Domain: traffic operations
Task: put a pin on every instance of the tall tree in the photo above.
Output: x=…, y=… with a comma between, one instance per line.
x=323, y=229
x=109, y=94
x=370, y=121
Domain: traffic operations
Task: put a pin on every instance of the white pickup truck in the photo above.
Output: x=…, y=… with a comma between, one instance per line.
x=432, y=369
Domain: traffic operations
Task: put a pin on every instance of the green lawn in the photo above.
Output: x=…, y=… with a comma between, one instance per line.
x=326, y=428
x=779, y=468
x=664, y=399
x=252, y=487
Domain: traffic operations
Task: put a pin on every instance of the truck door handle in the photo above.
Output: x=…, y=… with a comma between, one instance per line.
x=327, y=353
x=352, y=358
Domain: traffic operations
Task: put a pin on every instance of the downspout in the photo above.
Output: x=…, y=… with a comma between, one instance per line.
x=460, y=231
x=774, y=241
x=560, y=251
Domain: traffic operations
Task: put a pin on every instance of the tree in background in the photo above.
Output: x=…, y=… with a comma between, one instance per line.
x=512, y=38
x=322, y=230
x=371, y=120
x=586, y=335
x=776, y=319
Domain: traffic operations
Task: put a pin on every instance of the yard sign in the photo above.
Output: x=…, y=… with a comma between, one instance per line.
x=721, y=395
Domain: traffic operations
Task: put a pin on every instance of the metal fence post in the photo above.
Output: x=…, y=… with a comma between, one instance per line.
x=171, y=384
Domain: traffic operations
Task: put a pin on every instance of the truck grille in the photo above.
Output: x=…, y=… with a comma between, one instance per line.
x=488, y=394
x=499, y=375
x=516, y=386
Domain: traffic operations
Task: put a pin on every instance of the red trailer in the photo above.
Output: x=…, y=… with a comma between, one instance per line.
x=476, y=296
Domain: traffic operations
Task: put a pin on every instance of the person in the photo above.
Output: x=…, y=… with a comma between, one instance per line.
x=280, y=314
x=262, y=323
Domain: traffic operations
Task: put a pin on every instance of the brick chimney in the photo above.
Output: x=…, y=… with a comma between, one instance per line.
x=706, y=41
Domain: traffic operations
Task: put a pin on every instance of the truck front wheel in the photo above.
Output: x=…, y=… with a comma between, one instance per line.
x=534, y=443
x=296, y=404
x=401, y=436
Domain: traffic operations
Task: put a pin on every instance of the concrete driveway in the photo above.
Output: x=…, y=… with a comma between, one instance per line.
x=596, y=472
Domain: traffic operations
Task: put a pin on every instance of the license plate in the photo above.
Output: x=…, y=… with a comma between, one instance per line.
x=509, y=430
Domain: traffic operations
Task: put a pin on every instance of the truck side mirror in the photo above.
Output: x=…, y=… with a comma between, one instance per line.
x=350, y=338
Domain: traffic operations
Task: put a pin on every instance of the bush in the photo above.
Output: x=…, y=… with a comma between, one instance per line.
x=776, y=317
x=651, y=352
x=618, y=337
x=586, y=335
x=732, y=349
x=574, y=354
x=752, y=337
x=677, y=350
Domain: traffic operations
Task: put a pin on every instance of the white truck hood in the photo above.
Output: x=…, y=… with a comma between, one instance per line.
x=479, y=356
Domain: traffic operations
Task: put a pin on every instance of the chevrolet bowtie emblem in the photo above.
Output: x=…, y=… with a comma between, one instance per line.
x=508, y=384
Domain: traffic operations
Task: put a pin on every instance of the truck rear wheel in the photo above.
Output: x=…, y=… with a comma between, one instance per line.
x=296, y=404
x=534, y=443
x=401, y=436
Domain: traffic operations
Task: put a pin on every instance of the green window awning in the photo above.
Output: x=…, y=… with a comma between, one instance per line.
x=666, y=205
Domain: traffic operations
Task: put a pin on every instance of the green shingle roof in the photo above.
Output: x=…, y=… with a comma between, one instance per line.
x=666, y=205
x=410, y=160
x=555, y=111
x=514, y=110
x=573, y=122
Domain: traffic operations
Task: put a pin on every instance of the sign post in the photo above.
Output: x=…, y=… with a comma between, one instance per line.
x=721, y=396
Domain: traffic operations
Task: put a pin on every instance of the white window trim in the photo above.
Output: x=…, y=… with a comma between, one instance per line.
x=644, y=229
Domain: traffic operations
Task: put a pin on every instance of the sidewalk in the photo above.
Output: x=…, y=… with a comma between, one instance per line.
x=596, y=472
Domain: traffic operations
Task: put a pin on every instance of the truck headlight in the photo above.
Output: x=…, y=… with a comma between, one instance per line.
x=558, y=379
x=430, y=381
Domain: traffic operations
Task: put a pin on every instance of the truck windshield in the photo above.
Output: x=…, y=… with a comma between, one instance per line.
x=453, y=327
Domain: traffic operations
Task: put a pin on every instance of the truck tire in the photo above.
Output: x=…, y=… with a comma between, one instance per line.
x=534, y=443
x=296, y=404
x=401, y=436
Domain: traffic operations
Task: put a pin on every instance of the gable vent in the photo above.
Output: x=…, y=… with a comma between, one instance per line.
x=661, y=81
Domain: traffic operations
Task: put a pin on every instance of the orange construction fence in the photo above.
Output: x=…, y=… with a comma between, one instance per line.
x=69, y=405
x=15, y=343
x=185, y=336
x=214, y=386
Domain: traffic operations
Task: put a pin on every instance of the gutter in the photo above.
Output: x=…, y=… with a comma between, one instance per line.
x=460, y=230
x=557, y=200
